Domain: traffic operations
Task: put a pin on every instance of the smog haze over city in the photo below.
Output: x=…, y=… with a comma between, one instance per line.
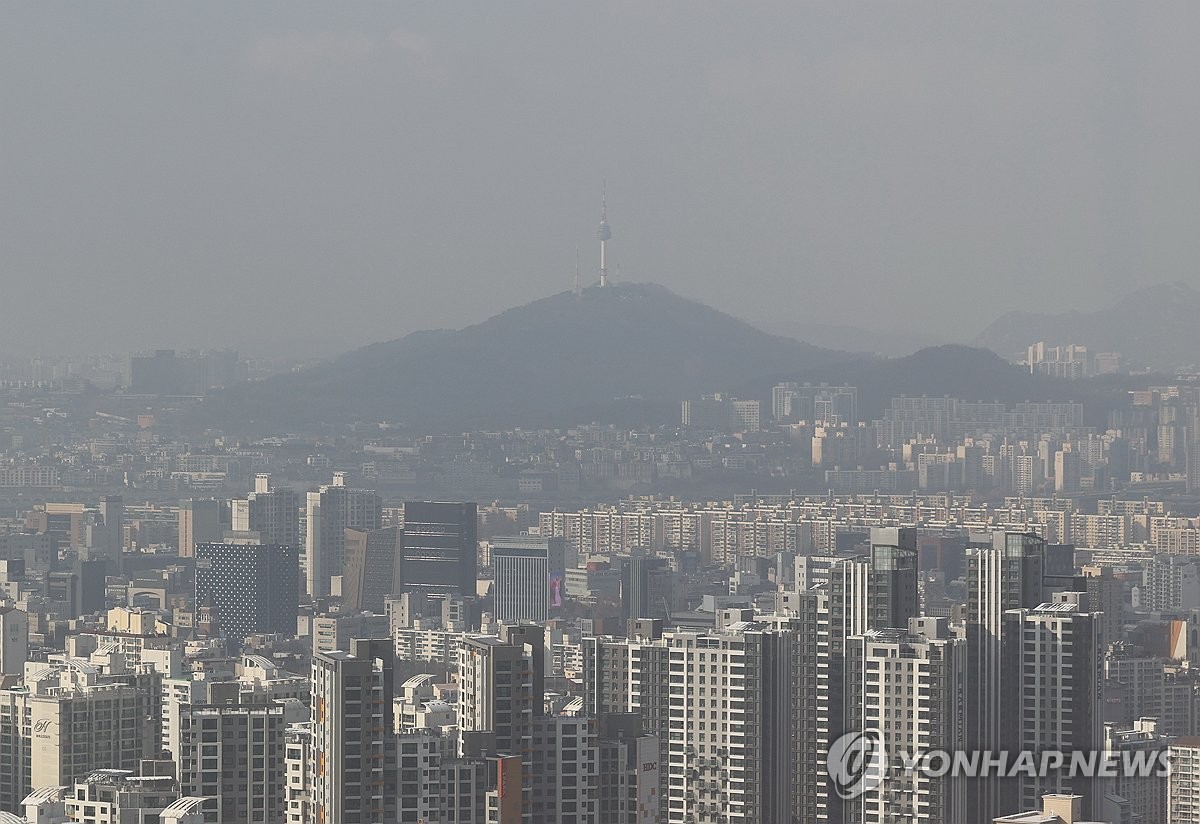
x=599, y=413
x=311, y=177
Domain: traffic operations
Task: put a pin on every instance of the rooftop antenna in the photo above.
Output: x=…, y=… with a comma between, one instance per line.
x=605, y=234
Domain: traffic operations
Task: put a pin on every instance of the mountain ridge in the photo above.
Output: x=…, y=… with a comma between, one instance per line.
x=1153, y=327
x=528, y=364
x=624, y=354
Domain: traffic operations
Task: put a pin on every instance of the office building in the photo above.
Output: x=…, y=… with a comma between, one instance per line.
x=330, y=512
x=250, y=587
x=14, y=640
x=108, y=538
x=529, y=577
x=892, y=590
x=440, y=548
x=79, y=590
x=647, y=586
x=372, y=568
x=199, y=523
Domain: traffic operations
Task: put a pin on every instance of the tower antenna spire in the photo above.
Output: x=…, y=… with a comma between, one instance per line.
x=604, y=234
x=578, y=287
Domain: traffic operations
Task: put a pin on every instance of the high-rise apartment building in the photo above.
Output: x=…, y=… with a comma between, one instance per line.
x=867, y=592
x=274, y=513
x=330, y=512
x=721, y=413
x=230, y=753
x=250, y=587
x=496, y=693
x=815, y=403
x=1005, y=571
x=1183, y=784
x=352, y=771
x=1170, y=583
x=565, y=775
x=440, y=548
x=1145, y=794
x=70, y=719
x=910, y=686
x=627, y=790
x=110, y=795
x=722, y=706
x=1055, y=650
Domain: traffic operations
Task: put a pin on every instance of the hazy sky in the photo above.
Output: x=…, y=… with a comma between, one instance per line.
x=275, y=175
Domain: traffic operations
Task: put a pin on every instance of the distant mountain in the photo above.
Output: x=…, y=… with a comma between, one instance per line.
x=1153, y=327
x=887, y=343
x=965, y=372
x=554, y=360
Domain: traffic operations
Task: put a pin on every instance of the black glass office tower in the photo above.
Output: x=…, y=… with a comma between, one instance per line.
x=439, y=548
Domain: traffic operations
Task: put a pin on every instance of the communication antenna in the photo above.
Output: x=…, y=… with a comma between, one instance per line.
x=605, y=234
x=578, y=286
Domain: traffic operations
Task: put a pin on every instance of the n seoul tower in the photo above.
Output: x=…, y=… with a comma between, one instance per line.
x=605, y=234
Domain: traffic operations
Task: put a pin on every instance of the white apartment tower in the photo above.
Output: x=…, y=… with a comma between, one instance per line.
x=722, y=707
x=910, y=686
x=1183, y=784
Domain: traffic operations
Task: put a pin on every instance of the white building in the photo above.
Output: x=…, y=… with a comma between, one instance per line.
x=1183, y=784
x=910, y=686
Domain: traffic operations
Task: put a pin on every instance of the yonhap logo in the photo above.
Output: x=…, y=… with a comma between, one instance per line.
x=857, y=763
